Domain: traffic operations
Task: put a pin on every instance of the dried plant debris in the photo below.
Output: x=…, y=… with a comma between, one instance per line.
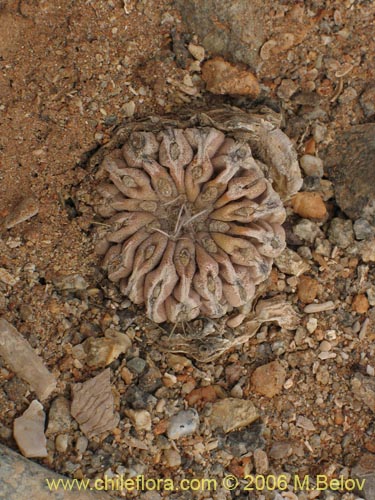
x=206, y=344
x=93, y=405
x=194, y=211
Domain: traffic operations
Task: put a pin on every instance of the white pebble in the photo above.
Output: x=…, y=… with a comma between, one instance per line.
x=363, y=331
x=327, y=355
x=183, y=424
x=289, y=383
x=312, y=325
x=324, y=306
x=331, y=335
x=81, y=444
x=141, y=419
x=312, y=165
x=61, y=442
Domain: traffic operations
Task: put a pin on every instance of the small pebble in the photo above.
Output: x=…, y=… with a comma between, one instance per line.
x=81, y=444
x=360, y=304
x=289, y=262
x=325, y=306
x=363, y=331
x=323, y=247
x=367, y=101
x=61, y=442
x=197, y=51
x=287, y=88
x=266, y=51
x=136, y=365
x=183, y=424
x=309, y=205
x=6, y=277
x=363, y=229
x=59, y=418
x=356, y=327
x=28, y=431
x=364, y=388
x=311, y=325
x=367, y=250
x=281, y=450
x=231, y=414
x=370, y=292
x=312, y=165
x=331, y=335
x=172, y=458
x=236, y=391
x=327, y=355
x=341, y=233
x=178, y=362
x=260, y=461
x=307, y=230
x=102, y=351
x=222, y=77
x=128, y=109
x=307, y=289
x=325, y=346
x=268, y=379
x=305, y=423
x=141, y=419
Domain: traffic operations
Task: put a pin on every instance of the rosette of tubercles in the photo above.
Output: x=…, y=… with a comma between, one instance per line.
x=193, y=224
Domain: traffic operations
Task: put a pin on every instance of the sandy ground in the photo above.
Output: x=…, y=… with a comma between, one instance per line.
x=73, y=70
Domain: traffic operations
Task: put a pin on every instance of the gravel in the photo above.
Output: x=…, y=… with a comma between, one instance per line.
x=315, y=65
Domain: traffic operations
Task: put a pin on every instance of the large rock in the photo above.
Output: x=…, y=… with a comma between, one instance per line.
x=349, y=163
x=230, y=29
x=22, y=479
x=21, y=358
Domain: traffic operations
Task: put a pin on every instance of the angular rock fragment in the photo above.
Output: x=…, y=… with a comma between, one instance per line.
x=6, y=277
x=24, y=210
x=364, y=471
x=364, y=389
x=59, y=418
x=222, y=77
x=93, y=405
x=232, y=413
x=22, y=359
x=100, y=352
x=29, y=431
x=22, y=478
x=289, y=262
x=268, y=379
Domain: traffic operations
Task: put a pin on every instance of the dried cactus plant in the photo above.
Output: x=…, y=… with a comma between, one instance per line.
x=194, y=208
